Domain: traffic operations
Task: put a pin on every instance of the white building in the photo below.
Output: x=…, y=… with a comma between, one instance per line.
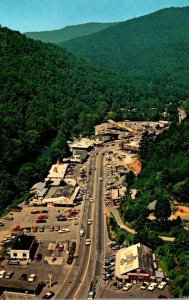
x=22, y=247
x=135, y=264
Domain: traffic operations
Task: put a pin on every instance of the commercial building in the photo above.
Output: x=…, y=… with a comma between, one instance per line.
x=135, y=264
x=22, y=248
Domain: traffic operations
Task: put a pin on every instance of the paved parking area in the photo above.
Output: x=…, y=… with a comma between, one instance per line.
x=53, y=261
x=134, y=292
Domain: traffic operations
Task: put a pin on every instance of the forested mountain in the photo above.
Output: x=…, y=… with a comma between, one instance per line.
x=69, y=32
x=47, y=94
x=153, y=48
x=164, y=178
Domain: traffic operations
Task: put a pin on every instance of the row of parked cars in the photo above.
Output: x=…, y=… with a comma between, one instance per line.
x=108, y=268
x=150, y=286
x=9, y=275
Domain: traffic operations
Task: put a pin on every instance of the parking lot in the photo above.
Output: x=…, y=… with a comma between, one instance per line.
x=53, y=259
x=110, y=292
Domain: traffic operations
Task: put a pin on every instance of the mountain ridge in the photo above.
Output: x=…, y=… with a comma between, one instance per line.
x=69, y=32
x=159, y=40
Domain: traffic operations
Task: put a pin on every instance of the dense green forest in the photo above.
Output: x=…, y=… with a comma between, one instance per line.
x=68, y=32
x=47, y=97
x=164, y=178
x=152, y=49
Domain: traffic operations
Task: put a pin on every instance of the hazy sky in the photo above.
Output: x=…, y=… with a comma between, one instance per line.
x=38, y=15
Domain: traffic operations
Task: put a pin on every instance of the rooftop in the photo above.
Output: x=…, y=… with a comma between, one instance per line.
x=83, y=143
x=38, y=186
x=23, y=242
x=57, y=171
x=134, y=257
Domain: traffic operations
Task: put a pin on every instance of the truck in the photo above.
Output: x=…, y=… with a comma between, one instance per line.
x=81, y=232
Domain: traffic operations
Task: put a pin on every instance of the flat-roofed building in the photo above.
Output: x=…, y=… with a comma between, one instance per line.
x=22, y=248
x=82, y=144
x=57, y=171
x=135, y=264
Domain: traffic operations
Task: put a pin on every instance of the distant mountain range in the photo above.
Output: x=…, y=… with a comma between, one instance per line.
x=69, y=32
x=152, y=47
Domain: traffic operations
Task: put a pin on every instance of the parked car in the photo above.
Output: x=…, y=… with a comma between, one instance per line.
x=61, y=218
x=60, y=247
x=42, y=217
x=23, y=276
x=63, y=230
x=17, y=228
x=40, y=221
x=41, y=229
x=48, y=295
x=161, y=285
x=34, y=229
x=32, y=277
x=51, y=228
x=38, y=256
x=16, y=209
x=35, y=211
x=9, y=274
x=152, y=286
x=57, y=228
x=2, y=224
x=127, y=286
x=8, y=218
x=144, y=285
x=2, y=273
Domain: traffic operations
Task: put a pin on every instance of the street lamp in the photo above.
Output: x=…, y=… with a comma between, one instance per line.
x=50, y=275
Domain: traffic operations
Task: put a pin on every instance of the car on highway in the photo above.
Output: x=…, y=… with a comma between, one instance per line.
x=91, y=199
x=144, y=285
x=32, y=277
x=100, y=178
x=87, y=242
x=161, y=285
x=48, y=295
x=152, y=286
x=127, y=286
x=89, y=222
x=91, y=295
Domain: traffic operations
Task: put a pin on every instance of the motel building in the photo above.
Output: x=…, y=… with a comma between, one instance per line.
x=135, y=264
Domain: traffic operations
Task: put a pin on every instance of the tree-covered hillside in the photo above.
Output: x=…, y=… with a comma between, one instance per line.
x=153, y=48
x=164, y=178
x=68, y=33
x=48, y=95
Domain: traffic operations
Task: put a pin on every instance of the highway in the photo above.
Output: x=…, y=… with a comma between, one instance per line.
x=87, y=266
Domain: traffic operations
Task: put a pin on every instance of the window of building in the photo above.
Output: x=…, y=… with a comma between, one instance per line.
x=15, y=254
x=24, y=255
